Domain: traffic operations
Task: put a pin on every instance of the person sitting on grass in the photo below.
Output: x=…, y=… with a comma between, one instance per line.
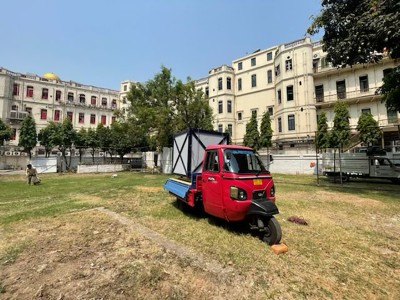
x=31, y=175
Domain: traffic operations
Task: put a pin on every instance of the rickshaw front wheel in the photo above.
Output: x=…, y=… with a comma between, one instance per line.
x=272, y=232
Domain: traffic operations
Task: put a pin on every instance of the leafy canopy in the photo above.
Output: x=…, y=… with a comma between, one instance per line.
x=369, y=130
x=163, y=106
x=362, y=31
x=5, y=132
x=391, y=90
x=46, y=137
x=341, y=126
x=322, y=137
x=266, y=131
x=358, y=31
x=252, y=136
x=27, y=136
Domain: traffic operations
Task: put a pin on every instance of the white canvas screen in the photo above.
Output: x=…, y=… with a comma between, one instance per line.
x=179, y=163
x=198, y=151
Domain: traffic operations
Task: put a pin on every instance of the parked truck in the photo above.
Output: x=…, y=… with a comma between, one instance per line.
x=227, y=181
x=367, y=165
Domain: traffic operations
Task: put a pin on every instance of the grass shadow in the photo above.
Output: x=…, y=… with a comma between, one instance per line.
x=198, y=213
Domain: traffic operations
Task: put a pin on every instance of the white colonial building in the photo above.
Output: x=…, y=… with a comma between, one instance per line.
x=48, y=98
x=294, y=83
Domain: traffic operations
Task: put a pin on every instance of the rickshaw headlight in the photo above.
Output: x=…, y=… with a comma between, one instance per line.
x=272, y=191
x=237, y=193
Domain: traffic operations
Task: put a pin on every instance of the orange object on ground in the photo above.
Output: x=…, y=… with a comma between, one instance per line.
x=279, y=248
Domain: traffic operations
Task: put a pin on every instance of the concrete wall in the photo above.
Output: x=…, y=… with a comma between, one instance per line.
x=103, y=168
x=293, y=164
x=45, y=165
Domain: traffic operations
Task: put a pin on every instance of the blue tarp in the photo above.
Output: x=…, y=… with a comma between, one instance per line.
x=177, y=187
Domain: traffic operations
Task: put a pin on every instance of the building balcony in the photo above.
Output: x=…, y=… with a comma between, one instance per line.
x=351, y=96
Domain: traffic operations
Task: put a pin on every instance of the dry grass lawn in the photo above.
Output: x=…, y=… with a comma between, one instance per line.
x=56, y=244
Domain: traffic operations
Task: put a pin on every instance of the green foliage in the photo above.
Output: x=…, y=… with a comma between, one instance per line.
x=252, y=136
x=46, y=137
x=357, y=31
x=266, y=131
x=341, y=126
x=391, y=90
x=163, y=106
x=192, y=110
x=369, y=130
x=81, y=141
x=64, y=135
x=27, y=136
x=121, y=138
x=105, y=138
x=92, y=141
x=5, y=132
x=126, y=137
x=229, y=142
x=362, y=31
x=322, y=137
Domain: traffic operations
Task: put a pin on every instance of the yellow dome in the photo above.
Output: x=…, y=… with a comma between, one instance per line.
x=51, y=76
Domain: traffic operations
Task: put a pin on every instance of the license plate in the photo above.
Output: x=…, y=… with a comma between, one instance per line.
x=257, y=181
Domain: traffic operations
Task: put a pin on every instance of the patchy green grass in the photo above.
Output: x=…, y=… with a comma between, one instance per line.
x=10, y=254
x=350, y=249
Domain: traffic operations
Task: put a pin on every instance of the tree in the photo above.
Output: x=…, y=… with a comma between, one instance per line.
x=27, y=136
x=92, y=141
x=229, y=134
x=151, y=105
x=340, y=132
x=105, y=139
x=5, y=132
x=369, y=130
x=391, y=90
x=64, y=137
x=252, y=136
x=121, y=138
x=322, y=136
x=46, y=139
x=362, y=31
x=192, y=108
x=81, y=142
x=163, y=106
x=358, y=31
x=266, y=131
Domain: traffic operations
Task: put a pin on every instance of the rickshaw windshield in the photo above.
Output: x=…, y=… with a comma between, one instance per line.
x=242, y=161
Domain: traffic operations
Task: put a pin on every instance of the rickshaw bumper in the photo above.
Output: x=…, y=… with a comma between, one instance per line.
x=262, y=207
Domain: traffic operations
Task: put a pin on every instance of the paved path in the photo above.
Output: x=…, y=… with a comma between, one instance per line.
x=12, y=172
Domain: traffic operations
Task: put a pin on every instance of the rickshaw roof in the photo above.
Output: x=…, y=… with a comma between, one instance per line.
x=212, y=147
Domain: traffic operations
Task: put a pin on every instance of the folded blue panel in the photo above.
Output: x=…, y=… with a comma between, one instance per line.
x=177, y=187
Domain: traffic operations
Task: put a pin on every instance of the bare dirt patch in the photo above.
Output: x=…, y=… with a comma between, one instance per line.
x=93, y=255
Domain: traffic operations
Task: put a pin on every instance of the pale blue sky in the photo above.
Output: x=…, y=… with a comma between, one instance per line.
x=103, y=42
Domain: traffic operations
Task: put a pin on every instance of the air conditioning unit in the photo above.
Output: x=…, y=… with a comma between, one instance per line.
x=316, y=56
x=59, y=153
x=24, y=154
x=16, y=153
x=67, y=153
x=101, y=154
x=8, y=153
x=76, y=153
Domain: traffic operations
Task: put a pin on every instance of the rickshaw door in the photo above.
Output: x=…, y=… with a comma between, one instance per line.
x=212, y=184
